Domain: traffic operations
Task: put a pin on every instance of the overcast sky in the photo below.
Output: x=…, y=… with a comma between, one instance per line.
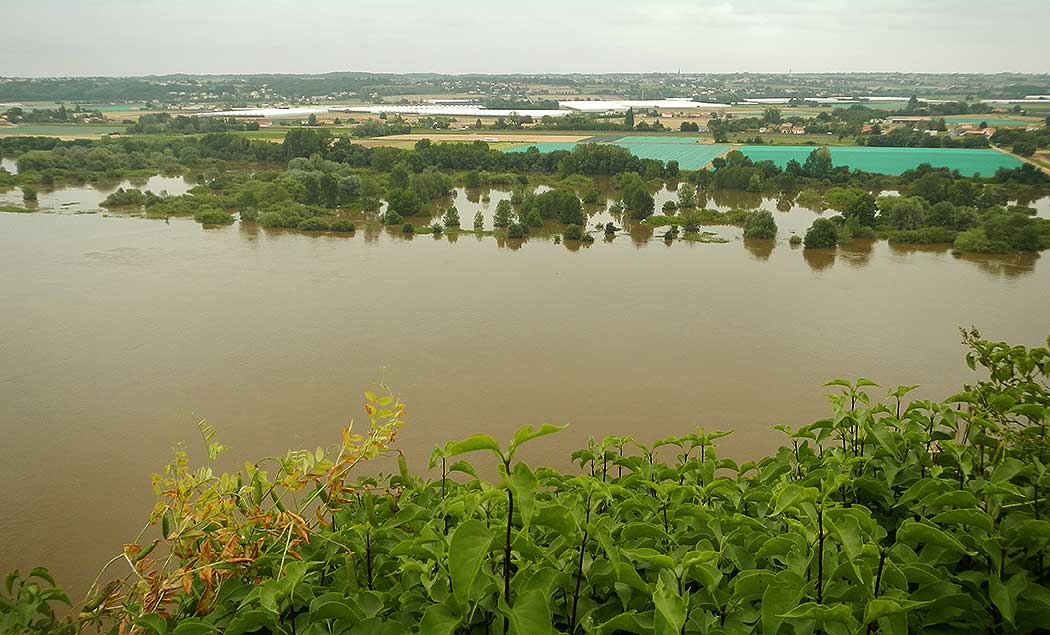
x=140, y=37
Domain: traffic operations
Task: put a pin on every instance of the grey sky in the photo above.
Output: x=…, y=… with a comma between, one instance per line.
x=137, y=37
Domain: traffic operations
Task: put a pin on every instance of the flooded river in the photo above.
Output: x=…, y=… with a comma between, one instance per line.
x=119, y=332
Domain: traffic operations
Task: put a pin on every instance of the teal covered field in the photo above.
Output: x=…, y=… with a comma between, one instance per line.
x=892, y=160
x=693, y=156
x=690, y=155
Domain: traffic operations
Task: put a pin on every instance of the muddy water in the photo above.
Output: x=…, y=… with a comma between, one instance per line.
x=119, y=332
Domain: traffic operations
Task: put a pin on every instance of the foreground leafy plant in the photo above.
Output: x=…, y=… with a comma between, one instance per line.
x=25, y=604
x=926, y=517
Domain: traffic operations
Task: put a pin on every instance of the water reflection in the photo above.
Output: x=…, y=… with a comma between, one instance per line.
x=249, y=231
x=640, y=234
x=1004, y=265
x=857, y=253
x=819, y=259
x=906, y=248
x=760, y=249
x=731, y=199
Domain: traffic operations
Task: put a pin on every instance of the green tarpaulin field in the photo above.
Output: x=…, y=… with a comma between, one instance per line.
x=690, y=156
x=693, y=156
x=892, y=160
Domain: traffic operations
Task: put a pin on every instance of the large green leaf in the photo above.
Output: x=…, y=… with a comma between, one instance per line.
x=527, y=433
x=251, y=621
x=194, y=626
x=885, y=438
x=847, y=531
x=333, y=609
x=522, y=482
x=531, y=615
x=1005, y=595
x=153, y=623
x=629, y=622
x=882, y=607
x=1009, y=468
x=472, y=443
x=971, y=517
x=670, y=607
x=782, y=595
x=557, y=517
x=438, y=620
x=912, y=532
x=649, y=556
x=466, y=553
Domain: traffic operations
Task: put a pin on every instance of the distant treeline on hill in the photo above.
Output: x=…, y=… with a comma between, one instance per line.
x=163, y=122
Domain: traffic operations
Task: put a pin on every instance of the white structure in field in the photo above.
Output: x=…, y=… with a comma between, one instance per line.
x=678, y=103
x=266, y=113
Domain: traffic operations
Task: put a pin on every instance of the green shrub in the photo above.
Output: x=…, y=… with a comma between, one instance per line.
x=451, y=217
x=127, y=198
x=822, y=234
x=573, y=232
x=924, y=236
x=533, y=219
x=392, y=218
x=343, y=225
x=503, y=214
x=516, y=231
x=976, y=241
x=313, y=224
x=761, y=226
x=408, y=228
x=795, y=240
x=26, y=605
x=213, y=217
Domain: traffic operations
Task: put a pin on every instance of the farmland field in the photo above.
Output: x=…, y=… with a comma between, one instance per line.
x=993, y=121
x=892, y=160
x=693, y=156
x=59, y=130
x=690, y=156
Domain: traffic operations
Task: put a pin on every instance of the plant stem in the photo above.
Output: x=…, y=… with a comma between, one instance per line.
x=820, y=555
x=506, y=558
x=368, y=558
x=579, y=581
x=878, y=576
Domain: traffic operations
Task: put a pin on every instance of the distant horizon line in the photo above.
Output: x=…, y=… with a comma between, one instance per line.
x=517, y=74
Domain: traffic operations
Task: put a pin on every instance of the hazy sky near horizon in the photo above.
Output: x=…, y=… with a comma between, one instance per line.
x=143, y=37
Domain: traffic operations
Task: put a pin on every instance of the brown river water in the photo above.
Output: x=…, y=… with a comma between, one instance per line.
x=118, y=333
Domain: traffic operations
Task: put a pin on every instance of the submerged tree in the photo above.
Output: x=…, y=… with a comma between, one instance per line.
x=822, y=234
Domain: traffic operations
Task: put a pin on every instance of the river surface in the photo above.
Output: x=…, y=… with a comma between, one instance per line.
x=119, y=332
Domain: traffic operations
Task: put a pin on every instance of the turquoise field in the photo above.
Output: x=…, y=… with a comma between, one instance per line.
x=892, y=160
x=689, y=154
x=693, y=156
